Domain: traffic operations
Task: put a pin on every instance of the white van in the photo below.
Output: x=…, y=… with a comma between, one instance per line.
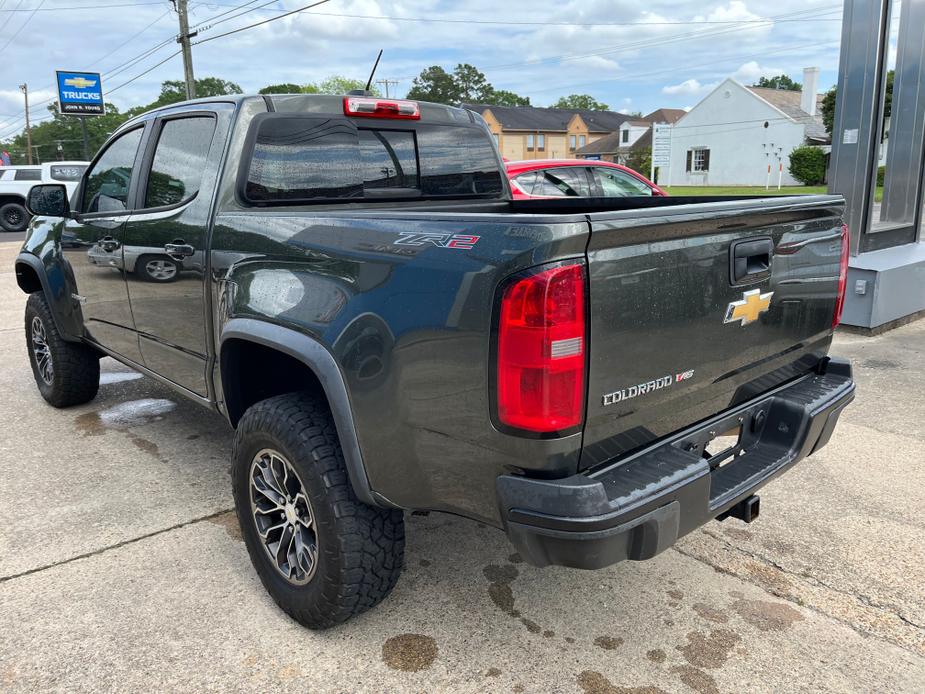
x=16, y=181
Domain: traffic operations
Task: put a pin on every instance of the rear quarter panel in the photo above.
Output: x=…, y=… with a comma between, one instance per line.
x=410, y=327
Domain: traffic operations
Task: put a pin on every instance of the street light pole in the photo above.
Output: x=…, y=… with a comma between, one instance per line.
x=25, y=90
x=184, y=41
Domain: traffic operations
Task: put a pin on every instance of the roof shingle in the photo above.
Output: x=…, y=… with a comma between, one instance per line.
x=550, y=119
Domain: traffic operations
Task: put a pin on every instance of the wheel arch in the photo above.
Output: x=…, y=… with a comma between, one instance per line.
x=31, y=277
x=6, y=198
x=241, y=336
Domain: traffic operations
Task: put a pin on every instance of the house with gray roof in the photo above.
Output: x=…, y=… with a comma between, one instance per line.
x=528, y=132
x=740, y=135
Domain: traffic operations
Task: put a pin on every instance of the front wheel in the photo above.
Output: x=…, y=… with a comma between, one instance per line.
x=322, y=554
x=66, y=373
x=157, y=268
x=13, y=217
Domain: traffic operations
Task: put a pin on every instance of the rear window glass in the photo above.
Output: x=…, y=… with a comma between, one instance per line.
x=314, y=158
x=67, y=172
x=28, y=175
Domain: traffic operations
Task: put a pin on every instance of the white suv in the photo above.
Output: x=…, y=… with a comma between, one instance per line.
x=16, y=181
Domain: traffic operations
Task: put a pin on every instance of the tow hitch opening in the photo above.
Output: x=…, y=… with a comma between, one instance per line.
x=746, y=510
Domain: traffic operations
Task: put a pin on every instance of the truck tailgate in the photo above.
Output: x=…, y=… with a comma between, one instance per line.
x=696, y=308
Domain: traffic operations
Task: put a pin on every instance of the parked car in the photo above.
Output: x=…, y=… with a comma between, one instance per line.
x=583, y=178
x=15, y=182
x=387, y=330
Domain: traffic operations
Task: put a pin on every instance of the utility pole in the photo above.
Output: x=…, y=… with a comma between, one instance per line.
x=25, y=91
x=184, y=40
x=386, y=84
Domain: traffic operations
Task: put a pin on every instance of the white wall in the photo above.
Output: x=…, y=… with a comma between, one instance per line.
x=730, y=122
x=635, y=132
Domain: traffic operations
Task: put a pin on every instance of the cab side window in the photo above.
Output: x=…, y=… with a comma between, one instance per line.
x=108, y=182
x=179, y=160
x=617, y=184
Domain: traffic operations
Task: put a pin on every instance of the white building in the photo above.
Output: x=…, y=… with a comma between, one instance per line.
x=735, y=133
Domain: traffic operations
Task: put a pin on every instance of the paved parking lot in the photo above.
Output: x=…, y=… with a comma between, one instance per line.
x=121, y=566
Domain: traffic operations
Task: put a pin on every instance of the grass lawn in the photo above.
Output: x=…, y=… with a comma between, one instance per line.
x=752, y=190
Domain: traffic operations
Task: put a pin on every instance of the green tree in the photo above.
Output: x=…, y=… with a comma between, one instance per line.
x=828, y=110
x=779, y=82
x=284, y=88
x=174, y=91
x=435, y=84
x=640, y=160
x=502, y=97
x=65, y=130
x=581, y=101
x=828, y=103
x=471, y=84
x=807, y=165
x=338, y=84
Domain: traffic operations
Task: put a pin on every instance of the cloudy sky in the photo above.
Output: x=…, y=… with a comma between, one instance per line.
x=630, y=55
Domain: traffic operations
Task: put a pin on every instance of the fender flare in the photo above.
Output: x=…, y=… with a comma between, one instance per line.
x=53, y=299
x=317, y=358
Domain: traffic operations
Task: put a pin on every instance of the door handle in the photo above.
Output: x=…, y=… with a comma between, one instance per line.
x=750, y=260
x=108, y=244
x=179, y=249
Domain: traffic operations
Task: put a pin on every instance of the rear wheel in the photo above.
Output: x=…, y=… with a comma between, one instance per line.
x=157, y=268
x=13, y=217
x=321, y=553
x=66, y=373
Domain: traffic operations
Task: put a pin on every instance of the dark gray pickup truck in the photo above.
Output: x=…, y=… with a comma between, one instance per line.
x=349, y=282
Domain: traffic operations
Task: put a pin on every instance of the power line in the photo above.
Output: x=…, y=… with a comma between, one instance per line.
x=19, y=31
x=257, y=24
x=502, y=22
x=81, y=7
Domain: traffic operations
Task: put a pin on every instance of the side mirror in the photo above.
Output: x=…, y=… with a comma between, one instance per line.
x=48, y=201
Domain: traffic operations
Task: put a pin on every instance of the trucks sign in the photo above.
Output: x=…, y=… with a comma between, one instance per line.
x=80, y=93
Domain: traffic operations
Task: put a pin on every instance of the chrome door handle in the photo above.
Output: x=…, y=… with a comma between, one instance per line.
x=178, y=249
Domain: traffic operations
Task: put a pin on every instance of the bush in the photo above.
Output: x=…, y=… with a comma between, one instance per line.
x=807, y=165
x=881, y=173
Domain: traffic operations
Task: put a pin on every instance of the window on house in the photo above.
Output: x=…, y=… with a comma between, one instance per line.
x=571, y=142
x=531, y=143
x=581, y=141
x=541, y=142
x=625, y=136
x=698, y=159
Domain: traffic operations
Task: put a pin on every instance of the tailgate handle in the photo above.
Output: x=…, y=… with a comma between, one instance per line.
x=750, y=261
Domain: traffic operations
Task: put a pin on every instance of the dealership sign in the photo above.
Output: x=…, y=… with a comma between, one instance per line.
x=661, y=144
x=80, y=93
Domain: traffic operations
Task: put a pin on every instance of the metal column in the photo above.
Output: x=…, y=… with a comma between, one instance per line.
x=887, y=264
x=859, y=111
x=902, y=193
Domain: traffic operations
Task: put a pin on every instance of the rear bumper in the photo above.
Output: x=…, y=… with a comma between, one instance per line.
x=641, y=505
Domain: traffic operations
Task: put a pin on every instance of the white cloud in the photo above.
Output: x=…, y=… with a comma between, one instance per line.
x=751, y=71
x=691, y=87
x=596, y=62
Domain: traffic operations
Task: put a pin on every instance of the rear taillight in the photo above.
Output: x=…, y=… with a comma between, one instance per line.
x=541, y=351
x=381, y=108
x=842, y=277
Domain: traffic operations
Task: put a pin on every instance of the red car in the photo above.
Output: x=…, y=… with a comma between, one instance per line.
x=551, y=178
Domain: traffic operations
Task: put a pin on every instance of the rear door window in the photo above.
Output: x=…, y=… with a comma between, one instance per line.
x=179, y=160
x=618, y=184
x=561, y=182
x=304, y=158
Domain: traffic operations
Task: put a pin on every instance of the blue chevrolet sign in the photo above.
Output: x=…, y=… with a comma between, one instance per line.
x=80, y=93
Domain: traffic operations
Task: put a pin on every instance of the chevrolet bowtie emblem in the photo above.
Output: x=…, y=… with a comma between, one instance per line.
x=79, y=82
x=747, y=310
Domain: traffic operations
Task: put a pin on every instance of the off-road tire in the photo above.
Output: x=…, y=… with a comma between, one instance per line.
x=76, y=367
x=14, y=217
x=360, y=548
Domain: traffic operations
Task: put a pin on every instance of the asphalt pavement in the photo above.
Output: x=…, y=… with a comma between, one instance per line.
x=122, y=567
